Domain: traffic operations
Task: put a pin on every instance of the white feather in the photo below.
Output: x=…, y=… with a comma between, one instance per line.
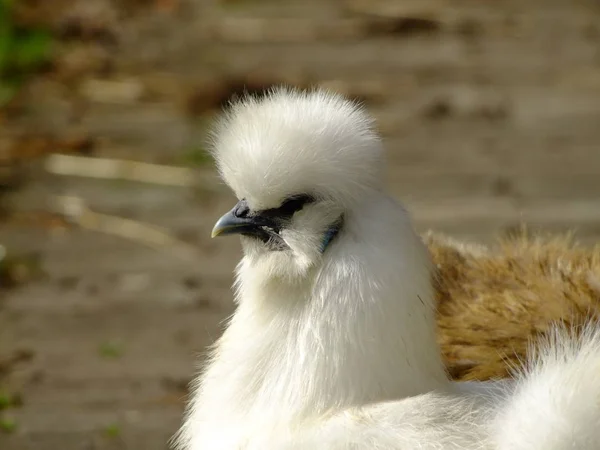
x=556, y=403
x=337, y=350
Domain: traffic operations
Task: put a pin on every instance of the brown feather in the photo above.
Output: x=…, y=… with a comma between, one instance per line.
x=493, y=301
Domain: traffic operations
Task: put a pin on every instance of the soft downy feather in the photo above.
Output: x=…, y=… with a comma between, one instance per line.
x=336, y=349
x=552, y=404
x=555, y=403
x=496, y=301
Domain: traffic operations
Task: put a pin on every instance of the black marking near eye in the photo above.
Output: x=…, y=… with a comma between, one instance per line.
x=294, y=204
x=289, y=206
x=267, y=224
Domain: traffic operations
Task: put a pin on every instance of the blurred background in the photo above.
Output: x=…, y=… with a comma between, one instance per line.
x=110, y=285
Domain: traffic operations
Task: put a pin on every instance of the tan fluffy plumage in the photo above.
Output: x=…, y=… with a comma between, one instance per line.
x=493, y=301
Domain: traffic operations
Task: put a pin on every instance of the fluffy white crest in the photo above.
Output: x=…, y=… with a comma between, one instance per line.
x=293, y=142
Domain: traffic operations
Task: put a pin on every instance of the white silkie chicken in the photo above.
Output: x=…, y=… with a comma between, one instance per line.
x=333, y=344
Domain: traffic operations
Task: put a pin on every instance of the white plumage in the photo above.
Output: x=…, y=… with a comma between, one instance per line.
x=333, y=342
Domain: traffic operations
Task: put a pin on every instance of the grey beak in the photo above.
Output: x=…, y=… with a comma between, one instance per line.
x=238, y=221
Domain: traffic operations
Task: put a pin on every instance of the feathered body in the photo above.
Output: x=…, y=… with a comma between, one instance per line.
x=333, y=343
x=494, y=302
x=553, y=404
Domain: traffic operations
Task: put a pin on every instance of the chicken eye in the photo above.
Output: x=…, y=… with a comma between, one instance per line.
x=289, y=206
x=294, y=204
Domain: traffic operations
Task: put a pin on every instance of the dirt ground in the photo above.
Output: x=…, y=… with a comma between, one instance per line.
x=491, y=115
